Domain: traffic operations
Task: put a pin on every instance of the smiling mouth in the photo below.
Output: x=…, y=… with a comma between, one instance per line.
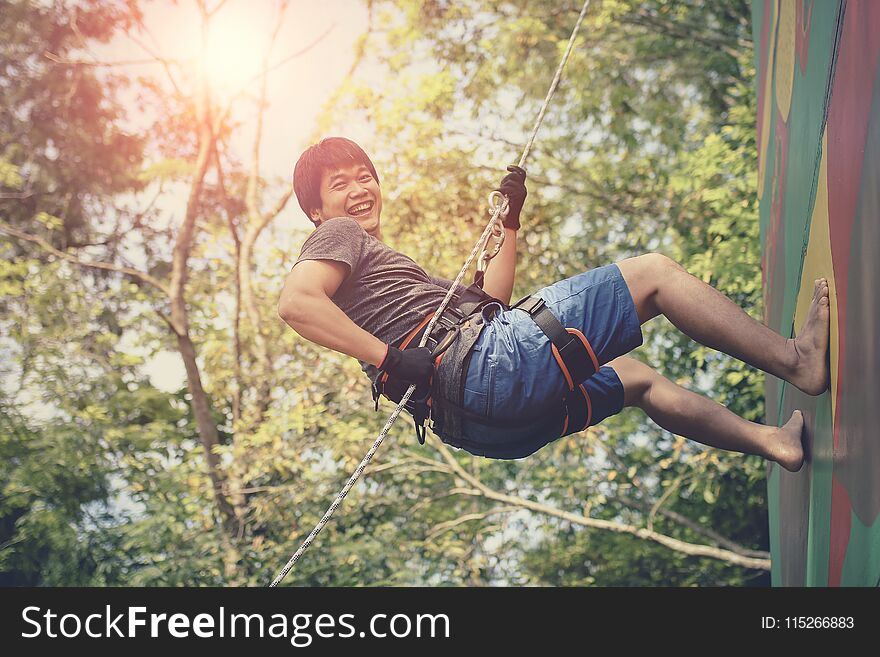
x=360, y=209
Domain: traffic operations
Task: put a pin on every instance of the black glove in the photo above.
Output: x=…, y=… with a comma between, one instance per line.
x=411, y=365
x=513, y=186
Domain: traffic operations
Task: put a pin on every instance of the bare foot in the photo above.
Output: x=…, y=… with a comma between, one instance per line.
x=787, y=448
x=811, y=373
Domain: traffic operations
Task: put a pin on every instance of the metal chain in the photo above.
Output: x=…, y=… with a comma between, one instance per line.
x=498, y=207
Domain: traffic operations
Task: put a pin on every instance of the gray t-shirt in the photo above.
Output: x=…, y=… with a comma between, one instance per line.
x=385, y=293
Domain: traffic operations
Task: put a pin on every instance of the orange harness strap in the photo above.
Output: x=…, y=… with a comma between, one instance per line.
x=575, y=357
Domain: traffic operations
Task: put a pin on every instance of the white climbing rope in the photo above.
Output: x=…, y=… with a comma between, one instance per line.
x=498, y=208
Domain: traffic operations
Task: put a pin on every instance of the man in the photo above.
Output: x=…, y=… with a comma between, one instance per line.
x=497, y=392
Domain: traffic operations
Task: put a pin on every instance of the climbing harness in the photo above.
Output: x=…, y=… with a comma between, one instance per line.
x=575, y=358
x=455, y=423
x=447, y=329
x=570, y=349
x=498, y=207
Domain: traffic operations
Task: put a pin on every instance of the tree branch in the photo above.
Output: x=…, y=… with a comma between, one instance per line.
x=696, y=527
x=658, y=507
x=257, y=221
x=236, y=322
x=595, y=523
x=94, y=264
x=444, y=527
x=684, y=32
x=58, y=59
x=298, y=53
x=166, y=63
x=211, y=12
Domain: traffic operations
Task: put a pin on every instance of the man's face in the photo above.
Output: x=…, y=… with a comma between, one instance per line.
x=351, y=192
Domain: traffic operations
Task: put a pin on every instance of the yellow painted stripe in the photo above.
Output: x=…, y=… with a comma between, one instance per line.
x=818, y=264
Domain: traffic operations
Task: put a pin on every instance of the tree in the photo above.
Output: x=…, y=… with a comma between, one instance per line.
x=647, y=146
x=56, y=176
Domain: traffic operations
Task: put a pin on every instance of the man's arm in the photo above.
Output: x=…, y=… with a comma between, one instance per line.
x=307, y=308
x=502, y=268
x=501, y=272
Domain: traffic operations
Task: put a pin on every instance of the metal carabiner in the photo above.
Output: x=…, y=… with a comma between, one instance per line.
x=498, y=206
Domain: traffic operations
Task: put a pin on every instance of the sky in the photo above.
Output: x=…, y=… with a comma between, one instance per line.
x=297, y=91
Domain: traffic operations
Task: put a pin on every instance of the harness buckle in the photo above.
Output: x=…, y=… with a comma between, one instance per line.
x=529, y=304
x=421, y=431
x=376, y=393
x=446, y=341
x=420, y=412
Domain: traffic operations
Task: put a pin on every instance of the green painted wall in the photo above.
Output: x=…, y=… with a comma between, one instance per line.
x=819, y=189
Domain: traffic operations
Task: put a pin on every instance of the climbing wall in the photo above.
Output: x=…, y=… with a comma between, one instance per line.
x=819, y=188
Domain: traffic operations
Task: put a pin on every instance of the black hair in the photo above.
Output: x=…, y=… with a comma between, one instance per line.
x=329, y=153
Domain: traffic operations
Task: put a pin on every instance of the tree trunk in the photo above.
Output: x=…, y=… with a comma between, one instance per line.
x=179, y=320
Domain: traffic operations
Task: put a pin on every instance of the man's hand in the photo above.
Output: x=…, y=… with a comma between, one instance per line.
x=513, y=186
x=410, y=365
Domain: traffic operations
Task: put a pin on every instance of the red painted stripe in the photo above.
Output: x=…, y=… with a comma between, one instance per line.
x=841, y=526
x=847, y=131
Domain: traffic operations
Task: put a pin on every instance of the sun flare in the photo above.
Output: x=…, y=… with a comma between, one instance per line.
x=234, y=49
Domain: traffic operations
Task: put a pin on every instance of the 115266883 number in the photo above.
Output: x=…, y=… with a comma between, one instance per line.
x=818, y=622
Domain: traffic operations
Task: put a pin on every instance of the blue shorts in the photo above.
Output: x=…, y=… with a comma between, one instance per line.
x=513, y=377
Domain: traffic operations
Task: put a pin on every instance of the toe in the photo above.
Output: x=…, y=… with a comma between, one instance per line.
x=820, y=289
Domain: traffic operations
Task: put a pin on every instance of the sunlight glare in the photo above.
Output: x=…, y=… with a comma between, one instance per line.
x=235, y=48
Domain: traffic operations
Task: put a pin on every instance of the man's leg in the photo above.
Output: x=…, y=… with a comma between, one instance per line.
x=660, y=286
x=693, y=416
